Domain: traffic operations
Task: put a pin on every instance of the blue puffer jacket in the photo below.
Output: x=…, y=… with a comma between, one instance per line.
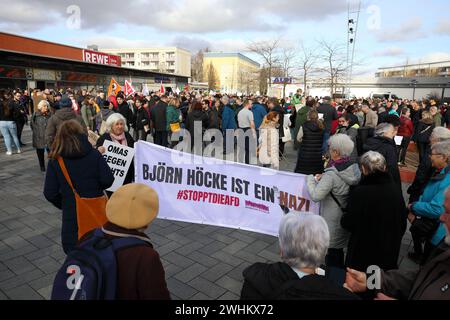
x=431, y=203
x=259, y=112
x=228, y=118
x=90, y=175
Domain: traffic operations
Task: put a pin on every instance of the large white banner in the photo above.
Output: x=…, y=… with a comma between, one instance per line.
x=221, y=193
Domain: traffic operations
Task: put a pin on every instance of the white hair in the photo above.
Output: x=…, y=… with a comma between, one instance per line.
x=440, y=134
x=343, y=144
x=42, y=103
x=383, y=128
x=113, y=119
x=304, y=240
x=373, y=161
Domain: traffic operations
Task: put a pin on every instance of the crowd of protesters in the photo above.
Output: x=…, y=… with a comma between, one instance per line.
x=348, y=149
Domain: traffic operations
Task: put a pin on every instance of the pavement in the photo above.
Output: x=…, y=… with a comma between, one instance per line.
x=201, y=262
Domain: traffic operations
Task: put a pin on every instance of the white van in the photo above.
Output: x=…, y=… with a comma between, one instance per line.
x=388, y=96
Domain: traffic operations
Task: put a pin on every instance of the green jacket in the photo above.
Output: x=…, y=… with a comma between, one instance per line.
x=296, y=100
x=172, y=115
x=88, y=115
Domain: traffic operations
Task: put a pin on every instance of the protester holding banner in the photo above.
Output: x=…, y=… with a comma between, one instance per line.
x=117, y=132
x=304, y=239
x=88, y=173
x=331, y=189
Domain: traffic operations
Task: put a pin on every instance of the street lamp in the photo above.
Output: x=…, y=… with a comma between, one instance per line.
x=414, y=84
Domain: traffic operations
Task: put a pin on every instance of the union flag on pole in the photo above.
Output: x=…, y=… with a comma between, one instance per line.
x=129, y=90
x=114, y=87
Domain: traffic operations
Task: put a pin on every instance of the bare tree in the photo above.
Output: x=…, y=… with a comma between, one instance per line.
x=197, y=66
x=287, y=65
x=212, y=77
x=268, y=51
x=334, y=63
x=308, y=60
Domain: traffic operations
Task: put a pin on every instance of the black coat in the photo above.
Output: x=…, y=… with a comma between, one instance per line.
x=125, y=111
x=130, y=143
x=329, y=115
x=423, y=131
x=90, y=175
x=309, y=160
x=158, y=116
x=388, y=149
x=382, y=117
x=196, y=116
x=376, y=219
x=279, y=282
x=141, y=119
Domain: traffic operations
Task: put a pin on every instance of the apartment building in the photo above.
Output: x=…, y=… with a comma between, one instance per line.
x=165, y=60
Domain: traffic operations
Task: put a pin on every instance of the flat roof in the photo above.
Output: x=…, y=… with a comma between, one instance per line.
x=145, y=49
x=416, y=65
x=230, y=55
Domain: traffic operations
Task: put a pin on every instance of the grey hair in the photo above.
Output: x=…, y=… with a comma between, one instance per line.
x=113, y=119
x=225, y=100
x=304, y=240
x=381, y=109
x=373, y=161
x=343, y=144
x=440, y=134
x=442, y=148
x=382, y=129
x=41, y=103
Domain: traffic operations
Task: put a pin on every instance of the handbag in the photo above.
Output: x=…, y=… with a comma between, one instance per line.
x=91, y=212
x=424, y=227
x=175, y=127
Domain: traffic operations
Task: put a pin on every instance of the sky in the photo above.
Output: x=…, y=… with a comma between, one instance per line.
x=389, y=32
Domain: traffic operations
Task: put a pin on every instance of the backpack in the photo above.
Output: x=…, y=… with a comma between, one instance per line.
x=90, y=271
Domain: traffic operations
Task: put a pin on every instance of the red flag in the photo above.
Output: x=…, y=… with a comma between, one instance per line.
x=162, y=88
x=129, y=90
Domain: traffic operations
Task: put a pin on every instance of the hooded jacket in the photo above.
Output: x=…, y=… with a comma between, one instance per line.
x=90, y=175
x=336, y=180
x=279, y=282
x=57, y=120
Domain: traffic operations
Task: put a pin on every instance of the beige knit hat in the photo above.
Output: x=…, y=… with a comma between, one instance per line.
x=133, y=206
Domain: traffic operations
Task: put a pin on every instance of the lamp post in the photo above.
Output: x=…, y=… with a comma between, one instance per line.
x=414, y=84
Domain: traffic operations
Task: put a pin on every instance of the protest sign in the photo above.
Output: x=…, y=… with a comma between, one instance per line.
x=218, y=192
x=118, y=158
